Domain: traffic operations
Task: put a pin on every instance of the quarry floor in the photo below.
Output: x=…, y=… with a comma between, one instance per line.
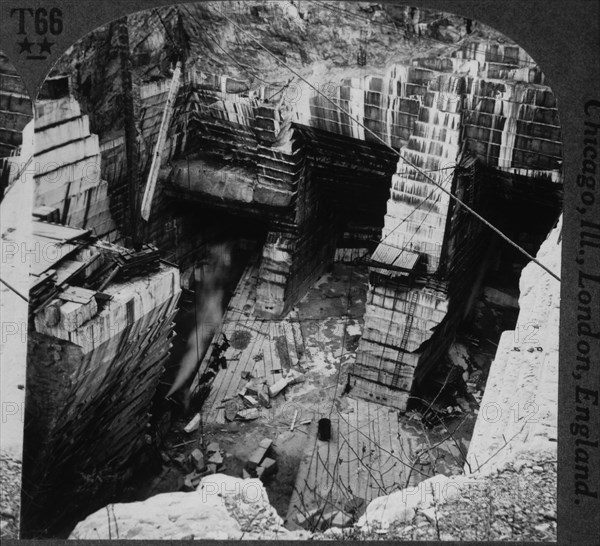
x=374, y=450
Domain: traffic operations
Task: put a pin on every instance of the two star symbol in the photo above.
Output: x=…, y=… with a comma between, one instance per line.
x=45, y=46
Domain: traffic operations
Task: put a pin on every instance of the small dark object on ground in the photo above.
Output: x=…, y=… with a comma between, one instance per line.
x=324, y=430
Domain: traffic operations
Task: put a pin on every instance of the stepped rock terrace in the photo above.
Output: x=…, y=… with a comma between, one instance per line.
x=243, y=258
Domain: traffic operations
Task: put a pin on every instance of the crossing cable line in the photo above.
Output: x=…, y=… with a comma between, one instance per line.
x=406, y=160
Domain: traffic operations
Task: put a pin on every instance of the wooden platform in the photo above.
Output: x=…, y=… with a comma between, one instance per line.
x=273, y=348
x=368, y=456
x=370, y=451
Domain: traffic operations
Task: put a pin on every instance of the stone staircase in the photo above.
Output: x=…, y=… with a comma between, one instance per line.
x=518, y=412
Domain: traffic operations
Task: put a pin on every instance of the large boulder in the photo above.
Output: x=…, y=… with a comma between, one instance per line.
x=221, y=508
x=400, y=507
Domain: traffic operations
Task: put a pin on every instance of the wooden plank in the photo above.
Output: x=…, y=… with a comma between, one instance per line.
x=288, y=333
x=160, y=143
x=75, y=293
x=57, y=232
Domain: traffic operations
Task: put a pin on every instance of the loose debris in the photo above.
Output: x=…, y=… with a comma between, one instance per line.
x=203, y=464
x=291, y=378
x=261, y=463
x=255, y=395
x=193, y=424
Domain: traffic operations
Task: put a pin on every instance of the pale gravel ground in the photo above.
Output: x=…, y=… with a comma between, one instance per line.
x=517, y=503
x=10, y=495
x=513, y=504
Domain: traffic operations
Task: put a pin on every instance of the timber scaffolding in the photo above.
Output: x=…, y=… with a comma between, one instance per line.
x=101, y=330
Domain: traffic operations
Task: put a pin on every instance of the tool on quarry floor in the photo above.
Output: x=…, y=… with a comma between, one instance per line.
x=294, y=421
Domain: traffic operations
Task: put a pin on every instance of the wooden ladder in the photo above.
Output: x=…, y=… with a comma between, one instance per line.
x=412, y=305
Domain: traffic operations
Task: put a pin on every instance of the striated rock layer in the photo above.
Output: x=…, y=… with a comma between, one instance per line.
x=15, y=114
x=67, y=168
x=97, y=346
x=481, y=107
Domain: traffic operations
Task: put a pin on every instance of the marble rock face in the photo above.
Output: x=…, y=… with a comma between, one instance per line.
x=221, y=508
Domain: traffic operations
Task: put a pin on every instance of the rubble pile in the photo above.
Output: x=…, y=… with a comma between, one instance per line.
x=252, y=399
x=202, y=465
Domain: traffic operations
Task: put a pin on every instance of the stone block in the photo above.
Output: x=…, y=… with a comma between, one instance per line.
x=263, y=397
x=266, y=443
x=293, y=377
x=256, y=458
x=213, y=447
x=216, y=458
x=267, y=468
x=250, y=401
x=277, y=387
x=74, y=314
x=197, y=459
x=193, y=424
x=249, y=414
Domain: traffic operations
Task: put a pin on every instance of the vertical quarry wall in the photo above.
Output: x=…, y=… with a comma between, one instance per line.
x=97, y=349
x=518, y=412
x=480, y=106
x=292, y=259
